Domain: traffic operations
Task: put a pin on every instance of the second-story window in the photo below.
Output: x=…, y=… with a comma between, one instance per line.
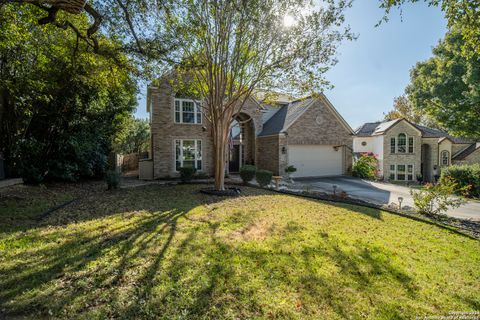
x=187, y=111
x=392, y=145
x=402, y=143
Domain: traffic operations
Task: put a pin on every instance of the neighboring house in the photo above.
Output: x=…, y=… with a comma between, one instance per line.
x=308, y=134
x=407, y=151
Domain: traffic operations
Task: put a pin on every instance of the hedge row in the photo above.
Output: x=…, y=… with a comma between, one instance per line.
x=464, y=175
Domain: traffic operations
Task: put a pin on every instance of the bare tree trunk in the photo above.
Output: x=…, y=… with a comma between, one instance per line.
x=219, y=143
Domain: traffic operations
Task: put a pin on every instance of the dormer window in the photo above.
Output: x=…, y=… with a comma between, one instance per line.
x=187, y=111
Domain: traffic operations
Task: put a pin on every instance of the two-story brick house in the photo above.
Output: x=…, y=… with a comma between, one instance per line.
x=407, y=151
x=307, y=133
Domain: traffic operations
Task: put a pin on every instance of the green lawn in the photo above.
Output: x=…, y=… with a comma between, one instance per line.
x=173, y=253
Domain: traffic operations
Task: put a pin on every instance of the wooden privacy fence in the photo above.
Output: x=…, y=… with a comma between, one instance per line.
x=123, y=163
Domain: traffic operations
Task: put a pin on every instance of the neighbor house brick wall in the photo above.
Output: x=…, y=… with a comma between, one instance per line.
x=402, y=158
x=319, y=125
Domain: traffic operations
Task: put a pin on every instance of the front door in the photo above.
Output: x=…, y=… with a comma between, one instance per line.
x=234, y=161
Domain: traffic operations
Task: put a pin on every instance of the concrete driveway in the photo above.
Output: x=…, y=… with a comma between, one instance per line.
x=379, y=193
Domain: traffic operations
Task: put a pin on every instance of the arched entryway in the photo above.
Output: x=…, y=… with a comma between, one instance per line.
x=241, y=142
x=426, y=163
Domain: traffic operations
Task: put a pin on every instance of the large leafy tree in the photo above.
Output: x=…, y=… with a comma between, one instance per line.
x=447, y=87
x=403, y=108
x=133, y=137
x=60, y=103
x=134, y=23
x=463, y=14
x=231, y=48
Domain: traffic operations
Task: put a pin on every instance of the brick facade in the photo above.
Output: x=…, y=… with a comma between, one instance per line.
x=317, y=125
x=320, y=125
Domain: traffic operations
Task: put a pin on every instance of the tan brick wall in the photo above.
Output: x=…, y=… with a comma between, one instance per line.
x=399, y=158
x=268, y=153
x=327, y=130
x=165, y=131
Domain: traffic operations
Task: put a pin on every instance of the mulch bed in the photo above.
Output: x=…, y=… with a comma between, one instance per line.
x=228, y=192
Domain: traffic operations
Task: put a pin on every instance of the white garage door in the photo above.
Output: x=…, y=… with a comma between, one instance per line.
x=315, y=160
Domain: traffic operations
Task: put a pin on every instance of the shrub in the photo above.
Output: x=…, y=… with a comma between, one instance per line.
x=365, y=167
x=247, y=173
x=187, y=173
x=112, y=178
x=201, y=175
x=264, y=177
x=466, y=176
x=437, y=199
x=30, y=161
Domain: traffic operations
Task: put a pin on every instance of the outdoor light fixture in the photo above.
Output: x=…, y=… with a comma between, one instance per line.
x=400, y=200
x=284, y=150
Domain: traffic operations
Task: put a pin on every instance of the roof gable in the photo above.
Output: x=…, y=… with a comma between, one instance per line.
x=287, y=115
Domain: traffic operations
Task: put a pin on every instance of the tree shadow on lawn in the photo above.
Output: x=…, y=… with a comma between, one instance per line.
x=147, y=253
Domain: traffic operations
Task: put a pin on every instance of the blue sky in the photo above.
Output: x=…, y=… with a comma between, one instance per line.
x=375, y=68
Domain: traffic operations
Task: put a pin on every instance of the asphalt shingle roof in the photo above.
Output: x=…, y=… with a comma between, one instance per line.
x=372, y=128
x=464, y=153
x=284, y=117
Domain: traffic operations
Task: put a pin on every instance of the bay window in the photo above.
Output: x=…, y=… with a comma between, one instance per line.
x=188, y=153
x=187, y=111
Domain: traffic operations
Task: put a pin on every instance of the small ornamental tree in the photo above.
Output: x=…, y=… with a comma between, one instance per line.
x=228, y=49
x=438, y=199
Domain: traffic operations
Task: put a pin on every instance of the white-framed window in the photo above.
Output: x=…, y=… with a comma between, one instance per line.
x=410, y=144
x=445, y=158
x=401, y=172
x=410, y=172
x=392, y=172
x=188, y=111
x=188, y=153
x=402, y=144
